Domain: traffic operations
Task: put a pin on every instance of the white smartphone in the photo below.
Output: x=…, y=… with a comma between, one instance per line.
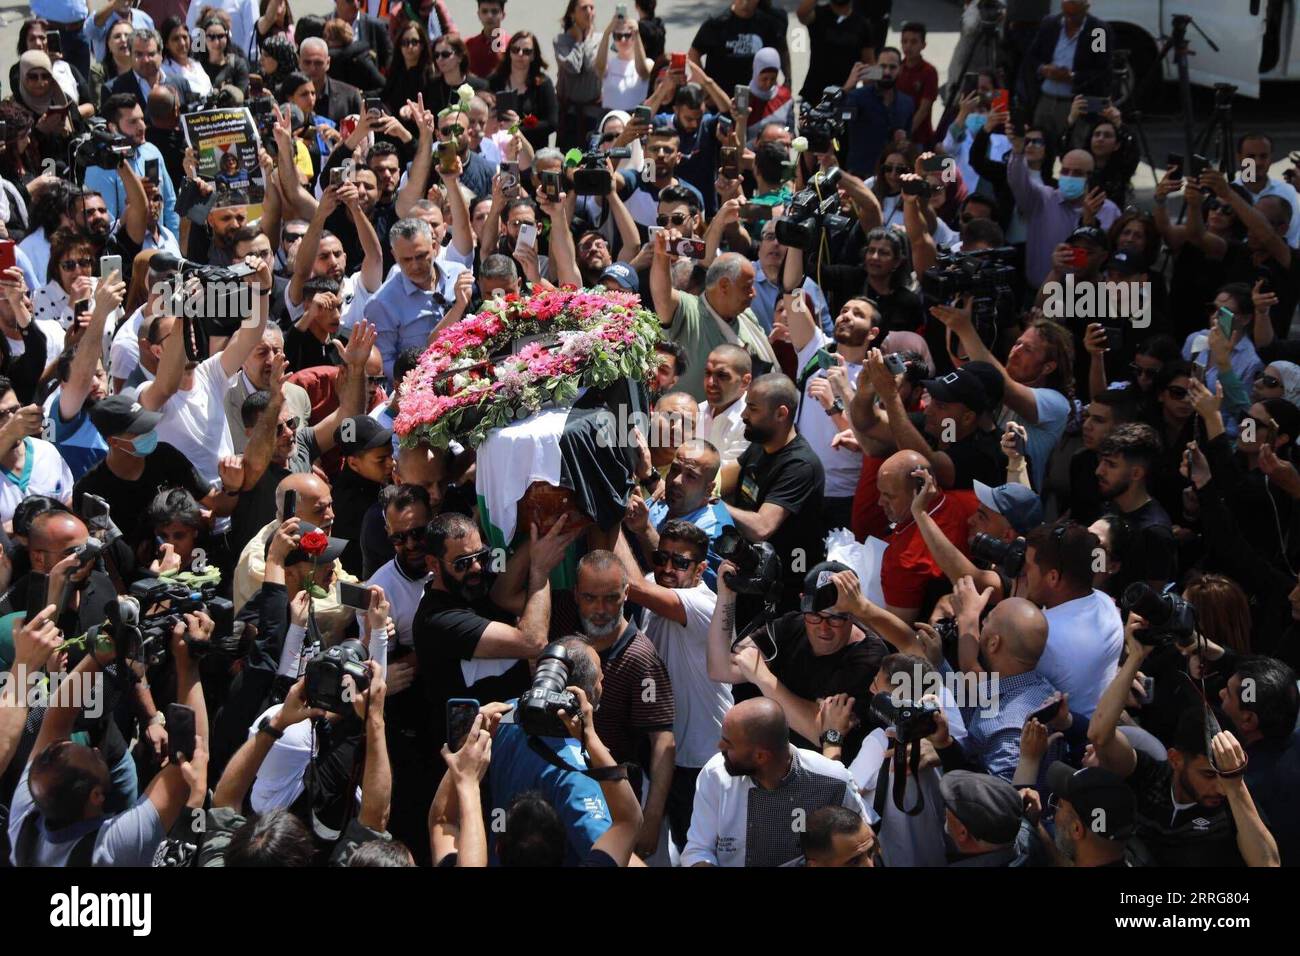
x=108, y=265
x=649, y=172
x=527, y=235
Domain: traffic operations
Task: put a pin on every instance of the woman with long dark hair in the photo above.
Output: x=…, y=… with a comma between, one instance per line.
x=451, y=66
x=522, y=71
x=222, y=62
x=1113, y=146
x=411, y=72
x=176, y=59
x=116, y=61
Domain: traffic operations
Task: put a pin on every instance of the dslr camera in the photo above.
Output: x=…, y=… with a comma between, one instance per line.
x=758, y=569
x=824, y=123
x=1007, y=555
x=324, y=676
x=538, y=709
x=591, y=177
x=813, y=209
x=142, y=622
x=912, y=720
x=99, y=146
x=987, y=275
x=1172, y=620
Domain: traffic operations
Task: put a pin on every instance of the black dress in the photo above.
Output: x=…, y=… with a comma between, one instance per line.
x=538, y=101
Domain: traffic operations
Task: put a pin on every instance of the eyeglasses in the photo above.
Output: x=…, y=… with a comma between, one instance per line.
x=214, y=37
x=1035, y=141
x=445, y=54
x=412, y=42
x=815, y=618
x=894, y=167
x=1268, y=381
x=679, y=561
x=1261, y=423
x=451, y=130
x=291, y=237
x=415, y=536
x=1177, y=392
x=465, y=561
x=677, y=219
x=67, y=265
x=1141, y=371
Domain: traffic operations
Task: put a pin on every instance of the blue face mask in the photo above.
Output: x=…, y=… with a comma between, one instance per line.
x=146, y=443
x=1072, y=187
x=975, y=122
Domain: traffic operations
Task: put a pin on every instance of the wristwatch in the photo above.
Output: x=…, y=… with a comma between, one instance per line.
x=264, y=727
x=651, y=481
x=837, y=408
x=832, y=737
x=158, y=719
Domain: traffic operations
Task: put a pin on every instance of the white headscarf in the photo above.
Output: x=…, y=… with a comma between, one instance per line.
x=765, y=59
x=637, y=160
x=1289, y=373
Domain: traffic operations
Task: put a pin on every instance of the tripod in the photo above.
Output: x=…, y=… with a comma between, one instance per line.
x=1177, y=43
x=987, y=41
x=1218, y=131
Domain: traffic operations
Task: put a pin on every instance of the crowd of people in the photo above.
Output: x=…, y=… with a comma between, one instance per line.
x=1076, y=640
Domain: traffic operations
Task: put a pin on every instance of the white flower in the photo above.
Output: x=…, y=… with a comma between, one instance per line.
x=800, y=144
x=465, y=93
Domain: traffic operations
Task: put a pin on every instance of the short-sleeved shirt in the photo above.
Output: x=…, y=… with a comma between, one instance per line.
x=1151, y=554
x=128, y=500
x=78, y=441
x=920, y=83
x=1053, y=413
x=727, y=44
x=195, y=422
x=978, y=457
x=636, y=697
x=44, y=472
x=793, y=478
x=908, y=568
x=696, y=330
x=1179, y=834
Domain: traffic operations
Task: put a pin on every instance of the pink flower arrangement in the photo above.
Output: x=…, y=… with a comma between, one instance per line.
x=603, y=337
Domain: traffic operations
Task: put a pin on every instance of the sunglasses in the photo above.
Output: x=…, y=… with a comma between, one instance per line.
x=445, y=54
x=676, y=219
x=214, y=37
x=412, y=42
x=67, y=265
x=466, y=561
x=894, y=167
x=293, y=236
x=1268, y=381
x=622, y=36
x=522, y=51
x=1141, y=371
x=415, y=536
x=1035, y=141
x=1261, y=424
x=1177, y=392
x=456, y=130
x=679, y=561
x=291, y=424
x=812, y=617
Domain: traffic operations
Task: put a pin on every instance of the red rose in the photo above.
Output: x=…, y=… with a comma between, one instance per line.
x=530, y=121
x=314, y=543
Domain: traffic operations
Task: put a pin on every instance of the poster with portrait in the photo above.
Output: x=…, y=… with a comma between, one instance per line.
x=225, y=142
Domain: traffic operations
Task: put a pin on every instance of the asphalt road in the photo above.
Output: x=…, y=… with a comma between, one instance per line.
x=1274, y=112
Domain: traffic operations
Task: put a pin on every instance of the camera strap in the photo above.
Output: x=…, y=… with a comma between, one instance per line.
x=616, y=772
x=908, y=758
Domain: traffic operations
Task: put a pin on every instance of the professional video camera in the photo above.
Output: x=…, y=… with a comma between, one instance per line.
x=99, y=146
x=758, y=569
x=1007, y=555
x=538, y=709
x=223, y=305
x=141, y=623
x=323, y=676
x=911, y=720
x=813, y=209
x=1172, y=620
x=987, y=275
x=591, y=176
x=221, y=98
x=824, y=123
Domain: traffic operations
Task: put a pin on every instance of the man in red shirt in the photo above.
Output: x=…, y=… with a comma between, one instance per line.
x=908, y=570
x=919, y=80
x=486, y=48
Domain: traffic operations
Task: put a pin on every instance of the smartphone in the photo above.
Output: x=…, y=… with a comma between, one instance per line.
x=151, y=170
x=54, y=42
x=1148, y=689
x=825, y=360
x=650, y=173
x=1001, y=101
x=1020, y=444
x=916, y=187
x=510, y=179
x=1095, y=104
x=80, y=307
x=873, y=73
x=1174, y=163
x=620, y=11
x=1078, y=257
x=1046, y=713
x=551, y=186
x=353, y=595
x=969, y=83
x=527, y=235
x=461, y=712
x=895, y=363
x=677, y=61
x=690, y=248
x=1114, y=338
x=38, y=587
x=935, y=164
x=507, y=102
x=740, y=97
x=642, y=114
x=180, y=733
x=447, y=153
x=255, y=89
x=918, y=481
x=338, y=176
x=108, y=265
x=290, y=505
x=1225, y=317
x=725, y=125
x=1199, y=164
x=8, y=258
x=729, y=163
x=754, y=213
x=374, y=106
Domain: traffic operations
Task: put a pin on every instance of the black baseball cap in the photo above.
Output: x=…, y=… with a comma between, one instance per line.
x=333, y=549
x=988, y=806
x=1103, y=802
x=123, y=415
x=815, y=578
x=1094, y=234
x=960, y=386
x=1127, y=263
x=366, y=434
x=994, y=384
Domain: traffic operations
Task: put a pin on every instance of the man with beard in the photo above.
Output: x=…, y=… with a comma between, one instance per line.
x=637, y=710
x=881, y=111
x=727, y=374
x=670, y=364
x=1126, y=458
x=255, y=376
x=474, y=635
x=748, y=791
x=819, y=653
x=822, y=413
x=778, y=496
x=215, y=245
x=1095, y=813
x=125, y=115
x=1191, y=811
x=310, y=343
x=1103, y=414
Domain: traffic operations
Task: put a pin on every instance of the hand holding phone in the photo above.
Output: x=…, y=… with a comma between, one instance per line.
x=461, y=712
x=527, y=235
x=181, y=737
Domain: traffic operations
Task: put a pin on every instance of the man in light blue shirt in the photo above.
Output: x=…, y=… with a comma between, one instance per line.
x=68, y=17
x=125, y=116
x=99, y=23
x=767, y=281
x=1254, y=159
x=415, y=301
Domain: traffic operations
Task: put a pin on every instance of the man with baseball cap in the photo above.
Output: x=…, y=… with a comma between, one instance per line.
x=983, y=817
x=620, y=277
x=1095, y=814
x=367, y=448
x=819, y=653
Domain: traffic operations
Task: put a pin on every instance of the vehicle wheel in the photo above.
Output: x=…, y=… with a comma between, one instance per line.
x=1141, y=55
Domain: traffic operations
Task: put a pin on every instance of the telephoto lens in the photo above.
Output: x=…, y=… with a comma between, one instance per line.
x=539, y=706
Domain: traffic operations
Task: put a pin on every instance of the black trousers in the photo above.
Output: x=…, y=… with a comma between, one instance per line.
x=681, y=801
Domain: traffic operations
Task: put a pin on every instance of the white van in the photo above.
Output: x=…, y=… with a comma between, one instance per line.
x=1257, y=39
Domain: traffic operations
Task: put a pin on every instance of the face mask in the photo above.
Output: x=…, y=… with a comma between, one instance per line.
x=975, y=122
x=1072, y=187
x=145, y=444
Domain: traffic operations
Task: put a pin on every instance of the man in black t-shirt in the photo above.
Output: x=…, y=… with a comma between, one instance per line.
x=778, y=495
x=838, y=38
x=1126, y=458
x=725, y=44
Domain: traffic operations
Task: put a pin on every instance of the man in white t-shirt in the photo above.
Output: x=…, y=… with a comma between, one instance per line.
x=822, y=410
x=747, y=794
x=679, y=606
x=1084, y=632
x=727, y=374
x=191, y=394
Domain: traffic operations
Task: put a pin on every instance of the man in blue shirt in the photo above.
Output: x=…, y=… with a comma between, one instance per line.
x=68, y=17
x=124, y=115
x=99, y=23
x=881, y=111
x=413, y=303
x=516, y=768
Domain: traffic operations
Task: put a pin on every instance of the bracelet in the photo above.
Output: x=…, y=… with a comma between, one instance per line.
x=264, y=727
x=159, y=719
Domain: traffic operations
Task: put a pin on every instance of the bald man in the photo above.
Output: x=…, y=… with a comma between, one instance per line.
x=315, y=505
x=909, y=575
x=757, y=782
x=1006, y=647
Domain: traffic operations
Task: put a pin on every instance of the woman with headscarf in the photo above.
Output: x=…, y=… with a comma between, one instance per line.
x=34, y=35
x=51, y=110
x=278, y=59
x=1278, y=380
x=769, y=101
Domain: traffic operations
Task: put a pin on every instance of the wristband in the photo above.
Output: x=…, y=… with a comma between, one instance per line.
x=264, y=727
